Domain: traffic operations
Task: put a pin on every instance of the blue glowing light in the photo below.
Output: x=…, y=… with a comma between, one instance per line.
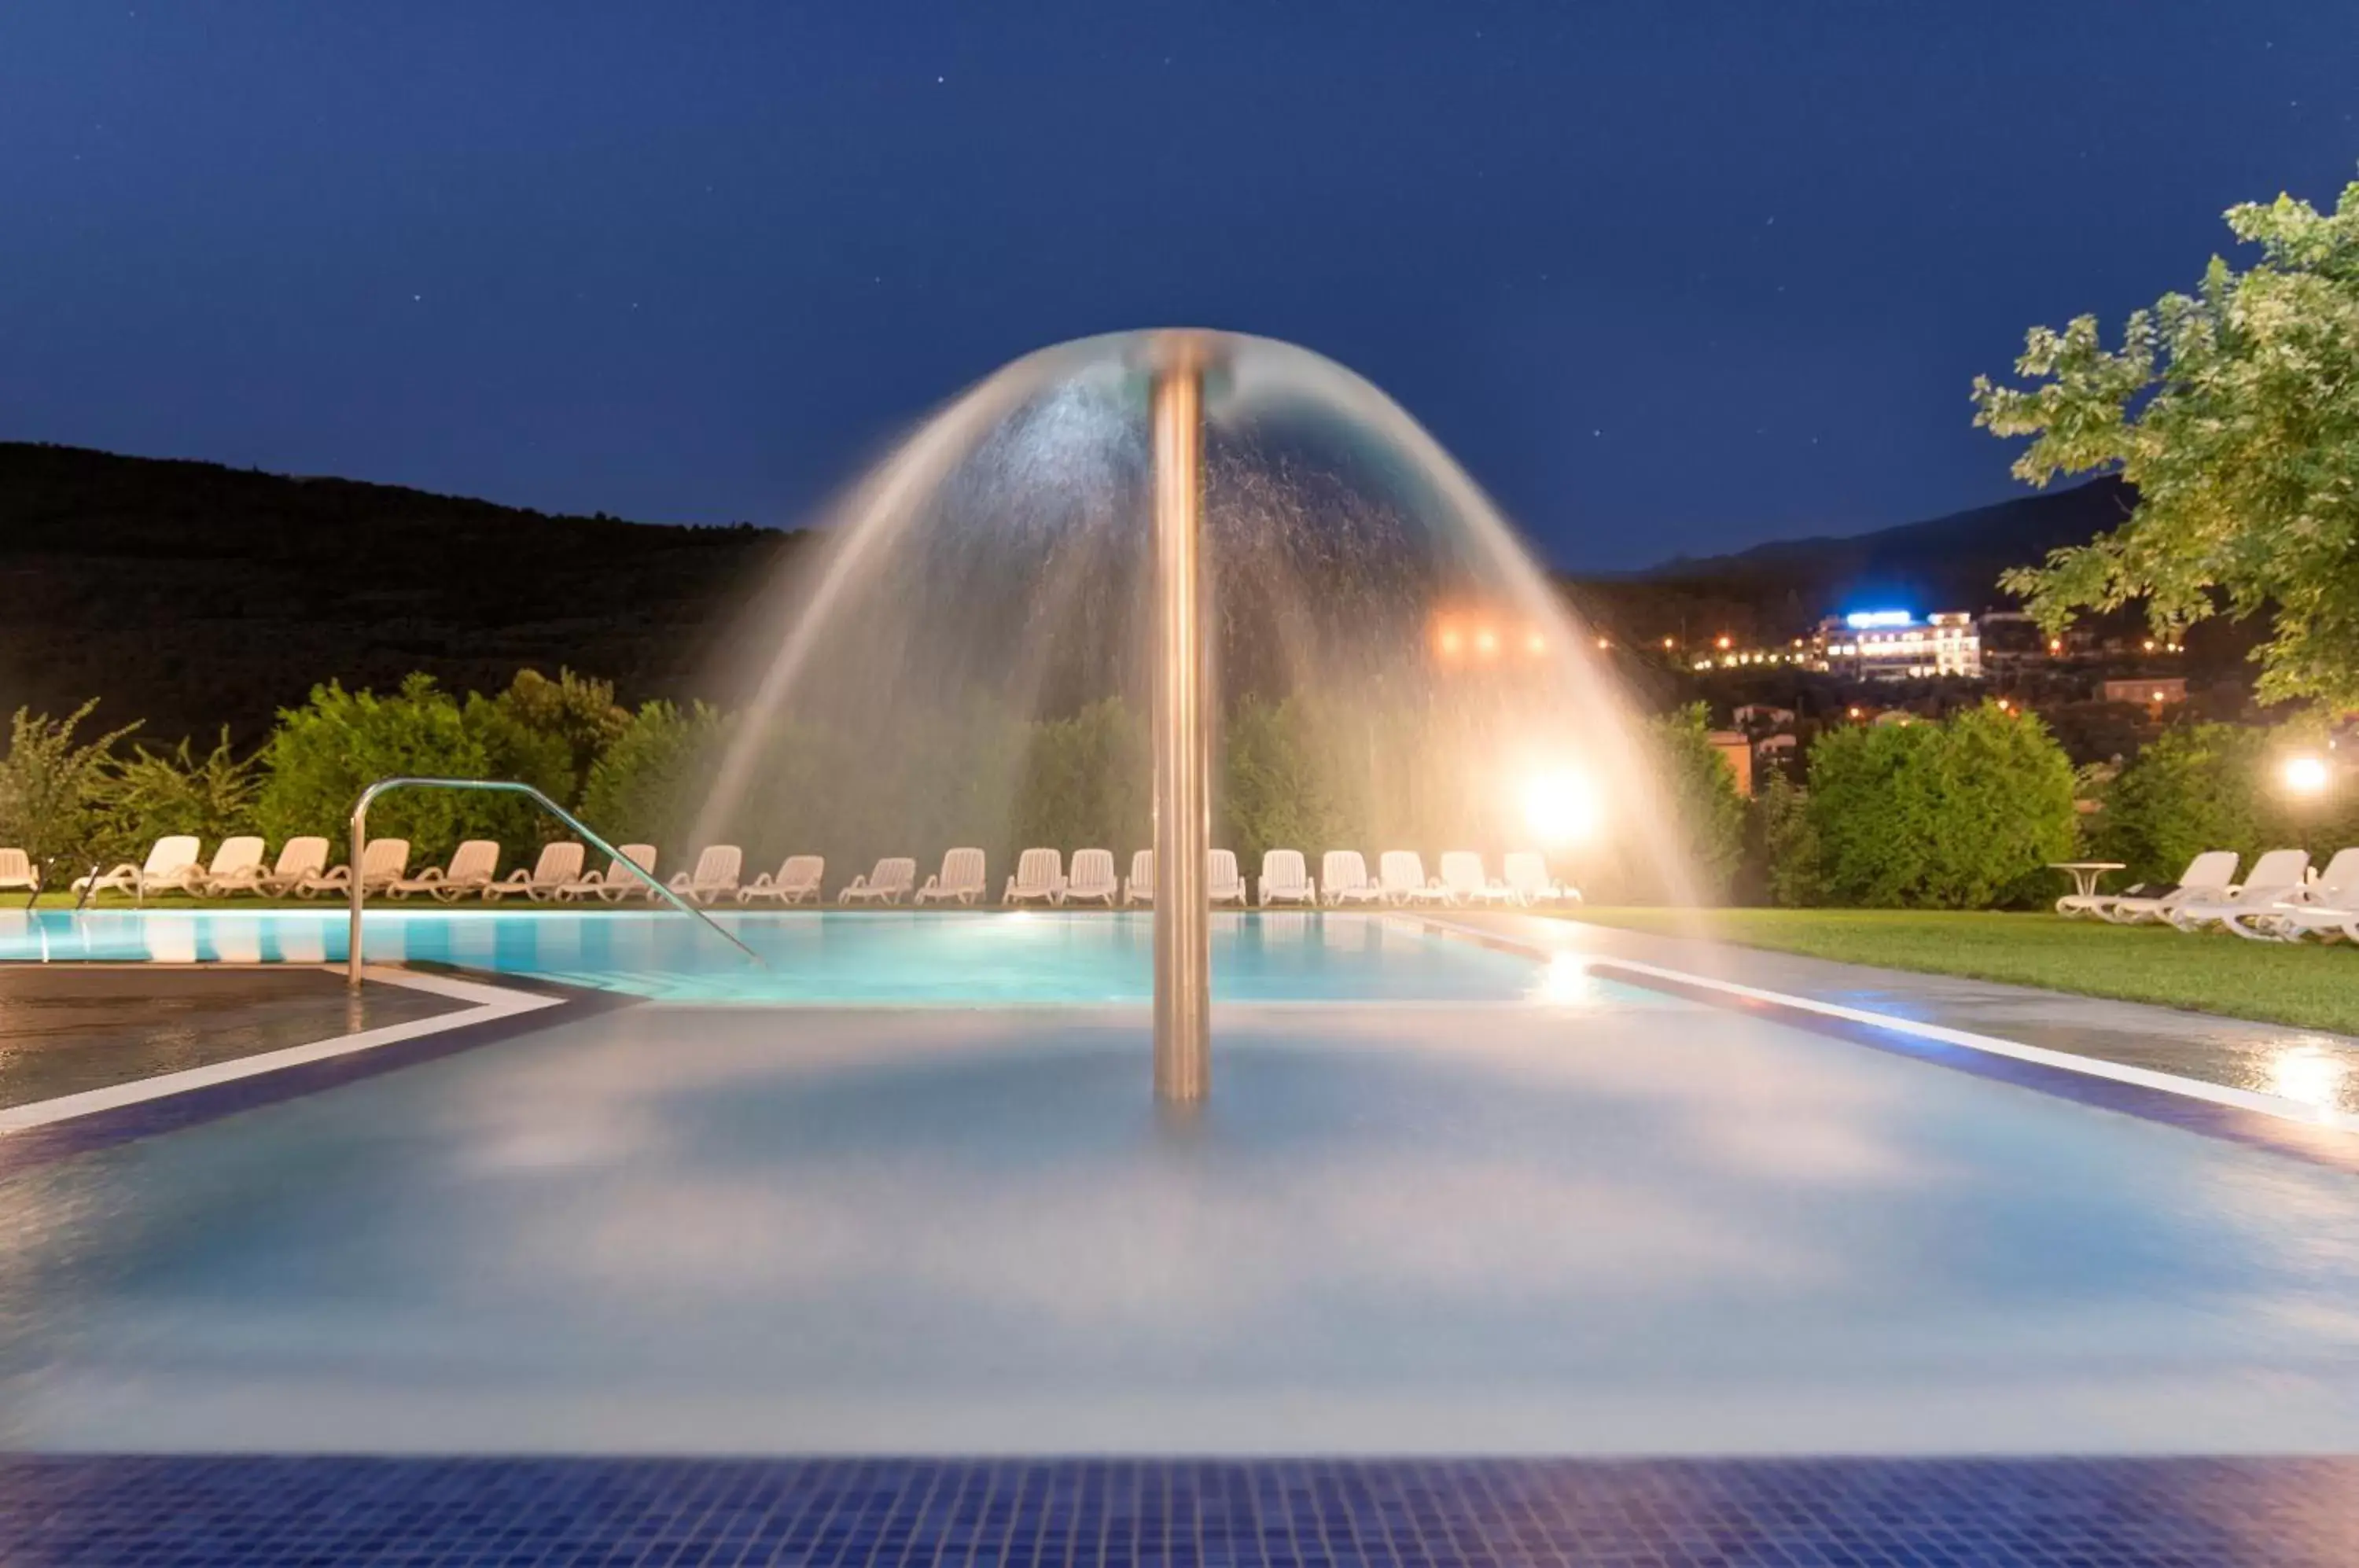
x=1859, y=620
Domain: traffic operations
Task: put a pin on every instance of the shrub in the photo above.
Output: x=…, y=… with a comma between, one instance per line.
x=1956, y=815
x=572, y=712
x=1087, y=782
x=1275, y=793
x=2209, y=786
x=649, y=782
x=53, y=789
x=158, y=792
x=323, y=754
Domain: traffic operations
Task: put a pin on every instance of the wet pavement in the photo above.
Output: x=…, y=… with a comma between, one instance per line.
x=2309, y=1065
x=65, y=1029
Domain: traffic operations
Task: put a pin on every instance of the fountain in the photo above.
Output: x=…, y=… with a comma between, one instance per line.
x=1198, y=518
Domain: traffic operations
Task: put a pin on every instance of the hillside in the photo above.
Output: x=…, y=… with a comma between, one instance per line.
x=193, y=596
x=1947, y=564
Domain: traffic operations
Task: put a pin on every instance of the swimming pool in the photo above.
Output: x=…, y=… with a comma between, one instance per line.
x=835, y=958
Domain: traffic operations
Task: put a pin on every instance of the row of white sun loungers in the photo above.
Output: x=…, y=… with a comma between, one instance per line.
x=1041, y=876
x=175, y=865
x=2280, y=900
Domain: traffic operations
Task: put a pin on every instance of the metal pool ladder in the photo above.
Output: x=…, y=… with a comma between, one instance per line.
x=503, y=786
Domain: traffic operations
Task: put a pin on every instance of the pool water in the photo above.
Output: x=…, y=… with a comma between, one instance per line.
x=1400, y=1230
x=901, y=959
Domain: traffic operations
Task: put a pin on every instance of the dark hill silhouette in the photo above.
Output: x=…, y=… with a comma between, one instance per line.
x=192, y=596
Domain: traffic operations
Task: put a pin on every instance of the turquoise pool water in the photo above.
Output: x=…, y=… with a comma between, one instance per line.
x=835, y=958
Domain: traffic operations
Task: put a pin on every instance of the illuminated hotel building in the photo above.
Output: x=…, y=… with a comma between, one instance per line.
x=1894, y=645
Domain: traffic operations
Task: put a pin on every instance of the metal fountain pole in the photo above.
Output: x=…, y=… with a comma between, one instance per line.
x=1183, y=1045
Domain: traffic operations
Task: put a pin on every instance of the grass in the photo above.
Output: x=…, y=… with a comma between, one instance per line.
x=2310, y=987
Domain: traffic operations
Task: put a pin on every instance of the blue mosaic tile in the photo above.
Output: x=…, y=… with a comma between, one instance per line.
x=1815, y=1513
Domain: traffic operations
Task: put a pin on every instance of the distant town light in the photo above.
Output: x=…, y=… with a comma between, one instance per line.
x=1855, y=713
x=2056, y=645
x=1858, y=619
x=2305, y=775
x=1667, y=642
x=1723, y=641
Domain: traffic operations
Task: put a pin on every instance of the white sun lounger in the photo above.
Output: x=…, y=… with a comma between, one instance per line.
x=1040, y=878
x=1092, y=879
x=301, y=856
x=1344, y=876
x=1527, y=878
x=797, y=881
x=1402, y=874
x=960, y=879
x=1139, y=888
x=1286, y=879
x=235, y=862
x=18, y=871
x=558, y=868
x=888, y=882
x=382, y=861
x=2210, y=874
x=173, y=863
x=2280, y=874
x=1463, y=880
x=2328, y=906
x=615, y=884
x=715, y=877
x=1223, y=883
x=473, y=866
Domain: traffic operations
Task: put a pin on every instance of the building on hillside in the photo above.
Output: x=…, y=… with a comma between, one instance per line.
x=2156, y=692
x=1754, y=716
x=1738, y=750
x=1894, y=645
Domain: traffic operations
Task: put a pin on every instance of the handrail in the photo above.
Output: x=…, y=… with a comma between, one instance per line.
x=504, y=786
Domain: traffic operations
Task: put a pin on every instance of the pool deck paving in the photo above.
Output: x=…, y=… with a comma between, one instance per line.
x=67, y=1028
x=2311, y=1065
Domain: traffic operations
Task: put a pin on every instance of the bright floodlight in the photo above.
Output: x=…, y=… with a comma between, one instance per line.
x=1560, y=807
x=2305, y=775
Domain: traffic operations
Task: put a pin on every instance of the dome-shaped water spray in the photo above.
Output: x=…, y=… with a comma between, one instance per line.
x=1191, y=525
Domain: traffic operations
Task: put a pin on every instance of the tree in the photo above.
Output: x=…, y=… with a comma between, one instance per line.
x=52, y=789
x=1700, y=790
x=2234, y=414
x=1784, y=845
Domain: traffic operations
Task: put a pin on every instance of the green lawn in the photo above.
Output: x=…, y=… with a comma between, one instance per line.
x=2311, y=987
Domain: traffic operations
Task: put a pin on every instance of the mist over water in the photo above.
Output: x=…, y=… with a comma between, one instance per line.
x=963, y=660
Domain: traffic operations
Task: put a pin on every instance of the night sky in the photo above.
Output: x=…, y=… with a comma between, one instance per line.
x=1665, y=279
